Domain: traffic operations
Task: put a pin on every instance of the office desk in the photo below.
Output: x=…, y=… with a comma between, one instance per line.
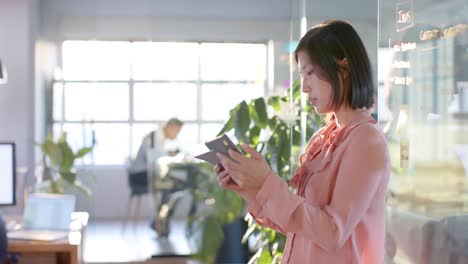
x=63, y=251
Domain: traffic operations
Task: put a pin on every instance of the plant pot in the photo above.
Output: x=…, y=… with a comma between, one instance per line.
x=232, y=250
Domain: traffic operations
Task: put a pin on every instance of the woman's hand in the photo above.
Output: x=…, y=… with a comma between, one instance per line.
x=225, y=181
x=246, y=173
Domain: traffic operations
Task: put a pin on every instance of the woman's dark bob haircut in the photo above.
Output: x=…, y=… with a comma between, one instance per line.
x=330, y=42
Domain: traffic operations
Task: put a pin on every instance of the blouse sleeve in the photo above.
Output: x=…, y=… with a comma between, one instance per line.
x=255, y=209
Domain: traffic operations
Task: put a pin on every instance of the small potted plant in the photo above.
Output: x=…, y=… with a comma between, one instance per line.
x=59, y=175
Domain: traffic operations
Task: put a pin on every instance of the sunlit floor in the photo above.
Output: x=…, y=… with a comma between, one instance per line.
x=107, y=242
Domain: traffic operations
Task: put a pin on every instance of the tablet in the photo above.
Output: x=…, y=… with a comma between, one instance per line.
x=219, y=144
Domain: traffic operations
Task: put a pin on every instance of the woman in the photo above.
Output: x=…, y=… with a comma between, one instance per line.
x=336, y=213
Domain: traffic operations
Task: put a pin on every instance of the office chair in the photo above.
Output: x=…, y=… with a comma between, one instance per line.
x=138, y=184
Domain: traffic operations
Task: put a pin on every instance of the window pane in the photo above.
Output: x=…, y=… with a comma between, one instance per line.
x=218, y=99
x=57, y=101
x=165, y=61
x=239, y=62
x=96, y=101
x=188, y=137
x=96, y=60
x=161, y=101
x=112, y=141
x=209, y=131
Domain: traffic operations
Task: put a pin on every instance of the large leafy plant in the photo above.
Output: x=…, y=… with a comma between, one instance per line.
x=272, y=126
x=222, y=207
x=59, y=160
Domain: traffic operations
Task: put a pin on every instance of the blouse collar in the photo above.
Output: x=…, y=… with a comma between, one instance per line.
x=325, y=142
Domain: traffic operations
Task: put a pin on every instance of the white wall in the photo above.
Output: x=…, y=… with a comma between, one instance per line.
x=207, y=20
x=17, y=31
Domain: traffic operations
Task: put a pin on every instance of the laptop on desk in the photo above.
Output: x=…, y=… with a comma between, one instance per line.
x=46, y=218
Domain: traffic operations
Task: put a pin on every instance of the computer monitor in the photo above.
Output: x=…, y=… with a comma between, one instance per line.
x=7, y=173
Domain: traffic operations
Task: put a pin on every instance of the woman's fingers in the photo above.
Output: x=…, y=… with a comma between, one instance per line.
x=227, y=163
x=228, y=183
x=224, y=180
x=251, y=151
x=236, y=156
x=222, y=174
x=217, y=168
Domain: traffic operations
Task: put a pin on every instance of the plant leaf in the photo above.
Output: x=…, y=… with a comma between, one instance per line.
x=265, y=257
x=83, y=151
x=274, y=101
x=258, y=112
x=296, y=90
x=211, y=239
x=242, y=121
x=68, y=176
x=63, y=138
x=254, y=134
x=271, y=235
x=273, y=122
x=229, y=124
x=296, y=135
x=283, y=149
x=52, y=151
x=68, y=157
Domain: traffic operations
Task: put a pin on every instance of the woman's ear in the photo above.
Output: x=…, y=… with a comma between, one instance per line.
x=344, y=67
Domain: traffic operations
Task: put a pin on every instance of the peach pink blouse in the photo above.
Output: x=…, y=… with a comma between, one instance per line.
x=337, y=212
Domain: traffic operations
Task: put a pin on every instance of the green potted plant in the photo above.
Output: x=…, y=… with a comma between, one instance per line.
x=222, y=207
x=59, y=175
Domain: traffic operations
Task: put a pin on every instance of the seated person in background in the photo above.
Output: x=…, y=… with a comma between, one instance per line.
x=145, y=166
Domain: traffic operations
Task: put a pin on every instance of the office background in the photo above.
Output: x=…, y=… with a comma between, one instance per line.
x=32, y=33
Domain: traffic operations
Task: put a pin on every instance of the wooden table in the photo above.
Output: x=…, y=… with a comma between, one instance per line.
x=63, y=251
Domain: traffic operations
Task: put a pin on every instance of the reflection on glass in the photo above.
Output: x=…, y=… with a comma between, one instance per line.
x=91, y=101
x=233, y=62
x=165, y=61
x=218, y=99
x=96, y=60
x=427, y=129
x=161, y=101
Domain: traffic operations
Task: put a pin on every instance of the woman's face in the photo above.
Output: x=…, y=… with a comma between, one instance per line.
x=319, y=90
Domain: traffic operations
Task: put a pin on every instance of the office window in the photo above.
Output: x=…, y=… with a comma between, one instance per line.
x=233, y=62
x=118, y=91
x=96, y=60
x=165, y=61
x=90, y=101
x=221, y=98
x=161, y=101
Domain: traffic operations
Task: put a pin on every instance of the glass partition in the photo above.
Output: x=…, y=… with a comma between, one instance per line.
x=423, y=73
